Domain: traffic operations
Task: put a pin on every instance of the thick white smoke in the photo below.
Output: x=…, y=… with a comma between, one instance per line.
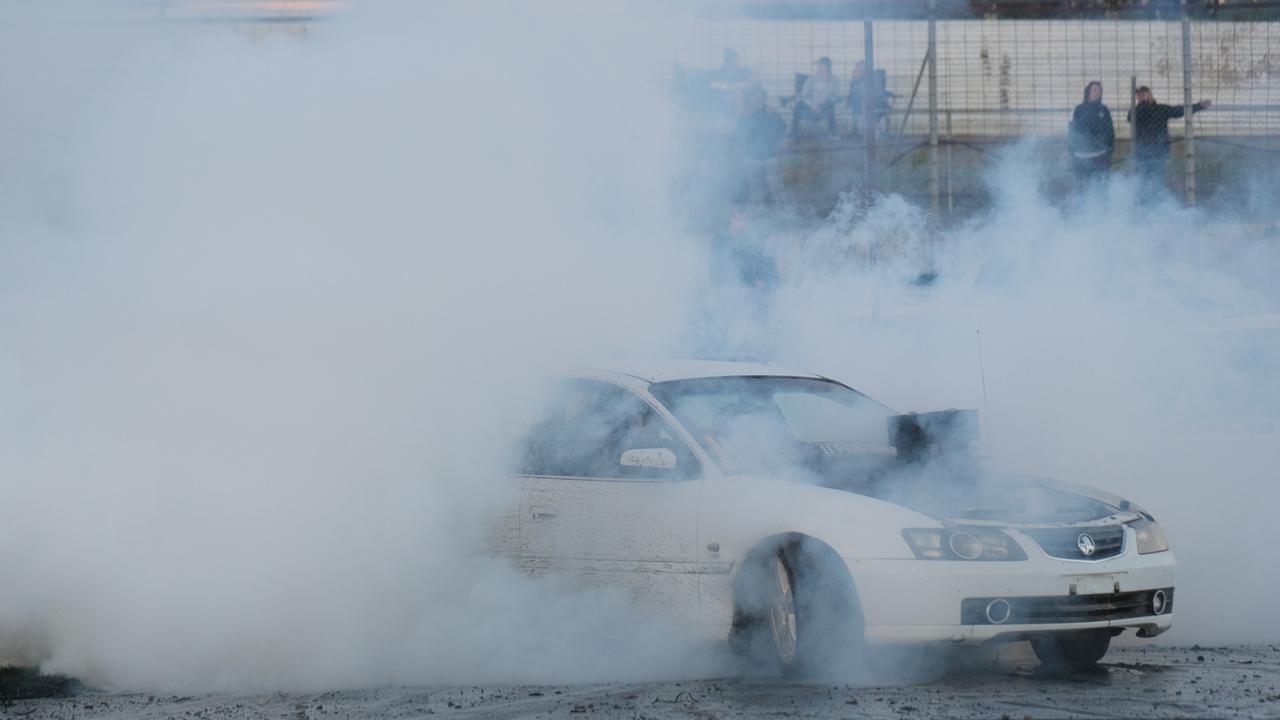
x=260, y=368
x=270, y=314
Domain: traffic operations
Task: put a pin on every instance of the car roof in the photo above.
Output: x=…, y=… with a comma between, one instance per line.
x=662, y=370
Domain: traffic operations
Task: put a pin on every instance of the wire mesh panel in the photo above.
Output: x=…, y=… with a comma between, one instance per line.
x=1004, y=78
x=1237, y=65
x=781, y=52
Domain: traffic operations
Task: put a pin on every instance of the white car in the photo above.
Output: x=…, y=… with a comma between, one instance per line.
x=798, y=518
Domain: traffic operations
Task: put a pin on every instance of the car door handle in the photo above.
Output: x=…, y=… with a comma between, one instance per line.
x=542, y=514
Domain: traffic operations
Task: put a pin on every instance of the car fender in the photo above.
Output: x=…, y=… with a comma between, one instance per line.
x=739, y=512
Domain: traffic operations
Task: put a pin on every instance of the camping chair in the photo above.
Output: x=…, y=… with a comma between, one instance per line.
x=881, y=101
x=794, y=99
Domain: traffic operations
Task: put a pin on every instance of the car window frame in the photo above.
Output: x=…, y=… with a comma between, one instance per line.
x=748, y=376
x=686, y=453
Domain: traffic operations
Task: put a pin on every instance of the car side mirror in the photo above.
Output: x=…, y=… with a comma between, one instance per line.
x=655, y=458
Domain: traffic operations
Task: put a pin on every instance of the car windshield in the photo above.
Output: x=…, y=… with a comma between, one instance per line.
x=767, y=425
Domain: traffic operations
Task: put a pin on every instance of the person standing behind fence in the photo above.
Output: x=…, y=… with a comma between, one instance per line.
x=1091, y=136
x=731, y=76
x=817, y=99
x=1151, y=134
x=757, y=138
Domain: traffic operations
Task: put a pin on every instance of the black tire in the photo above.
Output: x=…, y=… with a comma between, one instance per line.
x=816, y=629
x=1074, y=651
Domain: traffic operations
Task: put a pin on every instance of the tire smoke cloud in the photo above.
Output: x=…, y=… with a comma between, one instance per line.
x=1130, y=347
x=273, y=317
x=271, y=314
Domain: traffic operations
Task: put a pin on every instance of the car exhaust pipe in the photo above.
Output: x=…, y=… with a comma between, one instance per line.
x=1159, y=602
x=998, y=611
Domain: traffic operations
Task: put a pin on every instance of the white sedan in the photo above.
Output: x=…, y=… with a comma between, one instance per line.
x=799, y=519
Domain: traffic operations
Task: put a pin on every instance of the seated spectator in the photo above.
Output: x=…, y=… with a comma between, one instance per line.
x=879, y=96
x=757, y=137
x=817, y=99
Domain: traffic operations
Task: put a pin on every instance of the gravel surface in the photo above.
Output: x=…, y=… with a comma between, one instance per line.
x=1236, y=681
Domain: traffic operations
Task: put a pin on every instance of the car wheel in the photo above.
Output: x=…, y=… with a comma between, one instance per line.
x=782, y=613
x=1072, y=651
x=795, y=612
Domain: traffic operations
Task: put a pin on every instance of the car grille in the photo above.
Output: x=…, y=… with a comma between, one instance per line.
x=1067, y=608
x=1064, y=543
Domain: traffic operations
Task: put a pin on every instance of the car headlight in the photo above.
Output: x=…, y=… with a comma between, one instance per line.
x=1151, y=538
x=962, y=544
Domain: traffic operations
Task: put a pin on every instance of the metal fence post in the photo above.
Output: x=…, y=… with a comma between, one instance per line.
x=1188, y=111
x=868, y=111
x=951, y=198
x=933, y=106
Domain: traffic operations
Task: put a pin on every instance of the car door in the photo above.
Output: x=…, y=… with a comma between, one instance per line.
x=501, y=534
x=611, y=498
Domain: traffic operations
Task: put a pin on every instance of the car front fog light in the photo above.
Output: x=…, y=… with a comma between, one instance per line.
x=1150, y=536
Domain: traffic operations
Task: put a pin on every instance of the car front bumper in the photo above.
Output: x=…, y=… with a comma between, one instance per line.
x=919, y=601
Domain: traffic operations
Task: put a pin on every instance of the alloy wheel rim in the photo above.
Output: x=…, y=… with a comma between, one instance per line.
x=782, y=614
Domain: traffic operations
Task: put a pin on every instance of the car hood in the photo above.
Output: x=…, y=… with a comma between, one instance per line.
x=1009, y=500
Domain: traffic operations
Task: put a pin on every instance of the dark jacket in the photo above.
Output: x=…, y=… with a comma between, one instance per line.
x=1091, y=134
x=759, y=134
x=1151, y=127
x=879, y=95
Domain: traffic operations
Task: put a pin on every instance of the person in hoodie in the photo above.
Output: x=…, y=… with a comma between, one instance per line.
x=1151, y=134
x=1091, y=137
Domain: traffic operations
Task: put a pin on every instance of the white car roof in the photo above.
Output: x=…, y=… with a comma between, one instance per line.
x=661, y=370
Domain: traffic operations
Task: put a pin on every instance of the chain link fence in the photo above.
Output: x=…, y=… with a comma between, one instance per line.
x=997, y=80
x=1006, y=78
x=1000, y=80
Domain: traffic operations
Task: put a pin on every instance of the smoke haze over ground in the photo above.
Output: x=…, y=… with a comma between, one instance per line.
x=262, y=363
x=271, y=314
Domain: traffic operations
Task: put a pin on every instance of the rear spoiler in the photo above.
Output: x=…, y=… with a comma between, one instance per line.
x=919, y=436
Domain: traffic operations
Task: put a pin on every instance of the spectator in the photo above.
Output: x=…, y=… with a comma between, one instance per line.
x=817, y=100
x=757, y=137
x=1091, y=137
x=741, y=255
x=731, y=76
x=1151, y=134
x=713, y=93
x=879, y=96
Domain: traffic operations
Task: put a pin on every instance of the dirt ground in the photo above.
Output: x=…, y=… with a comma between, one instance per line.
x=1237, y=681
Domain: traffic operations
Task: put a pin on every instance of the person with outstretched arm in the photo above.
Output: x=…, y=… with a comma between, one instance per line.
x=1151, y=134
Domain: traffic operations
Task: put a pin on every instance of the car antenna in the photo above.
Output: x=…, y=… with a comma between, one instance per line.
x=986, y=407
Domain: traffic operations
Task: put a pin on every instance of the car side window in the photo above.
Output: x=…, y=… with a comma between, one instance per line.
x=814, y=418
x=598, y=430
